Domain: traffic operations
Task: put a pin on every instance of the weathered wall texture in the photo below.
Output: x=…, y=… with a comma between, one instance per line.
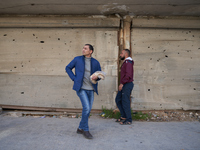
x=167, y=68
x=33, y=60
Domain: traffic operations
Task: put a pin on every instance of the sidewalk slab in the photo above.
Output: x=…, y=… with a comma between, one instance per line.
x=22, y=133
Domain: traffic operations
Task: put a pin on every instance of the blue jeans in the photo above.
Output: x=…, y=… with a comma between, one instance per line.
x=123, y=101
x=87, y=98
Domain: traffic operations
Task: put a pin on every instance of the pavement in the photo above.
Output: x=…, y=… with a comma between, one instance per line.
x=36, y=133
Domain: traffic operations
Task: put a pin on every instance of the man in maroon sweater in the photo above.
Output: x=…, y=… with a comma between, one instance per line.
x=126, y=85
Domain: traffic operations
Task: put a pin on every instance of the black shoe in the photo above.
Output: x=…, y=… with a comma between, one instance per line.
x=79, y=131
x=87, y=135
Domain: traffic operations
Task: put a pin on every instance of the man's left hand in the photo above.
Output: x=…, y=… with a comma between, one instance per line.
x=120, y=87
x=94, y=77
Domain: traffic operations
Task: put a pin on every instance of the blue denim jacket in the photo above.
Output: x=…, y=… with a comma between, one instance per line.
x=79, y=64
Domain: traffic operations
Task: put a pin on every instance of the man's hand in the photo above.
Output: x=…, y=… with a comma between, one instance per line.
x=94, y=77
x=120, y=87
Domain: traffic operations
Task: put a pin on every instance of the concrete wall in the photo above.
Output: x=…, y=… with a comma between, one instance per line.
x=35, y=50
x=167, y=70
x=33, y=60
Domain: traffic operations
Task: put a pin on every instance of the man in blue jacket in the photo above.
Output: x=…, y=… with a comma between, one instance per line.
x=85, y=66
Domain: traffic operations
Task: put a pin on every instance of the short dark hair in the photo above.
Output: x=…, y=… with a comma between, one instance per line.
x=90, y=47
x=128, y=51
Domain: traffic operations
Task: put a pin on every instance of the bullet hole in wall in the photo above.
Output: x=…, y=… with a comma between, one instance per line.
x=33, y=34
x=58, y=38
x=194, y=88
x=5, y=35
x=166, y=56
x=148, y=89
x=13, y=39
x=32, y=4
x=15, y=67
x=22, y=92
x=41, y=41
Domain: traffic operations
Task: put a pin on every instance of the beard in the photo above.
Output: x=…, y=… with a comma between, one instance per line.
x=122, y=58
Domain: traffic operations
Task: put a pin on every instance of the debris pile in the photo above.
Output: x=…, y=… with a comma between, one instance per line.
x=173, y=115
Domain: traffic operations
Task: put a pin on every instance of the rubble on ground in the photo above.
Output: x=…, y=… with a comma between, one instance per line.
x=172, y=115
x=153, y=115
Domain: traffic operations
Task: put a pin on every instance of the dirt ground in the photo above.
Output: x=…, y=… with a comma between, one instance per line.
x=153, y=115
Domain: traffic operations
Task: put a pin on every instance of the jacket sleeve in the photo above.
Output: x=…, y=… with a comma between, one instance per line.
x=128, y=73
x=99, y=69
x=69, y=68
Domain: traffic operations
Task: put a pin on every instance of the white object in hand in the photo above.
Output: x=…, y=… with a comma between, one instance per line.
x=99, y=74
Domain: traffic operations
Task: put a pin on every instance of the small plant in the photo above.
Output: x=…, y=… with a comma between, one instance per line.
x=139, y=116
x=117, y=115
x=109, y=113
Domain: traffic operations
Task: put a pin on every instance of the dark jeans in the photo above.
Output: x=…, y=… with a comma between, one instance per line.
x=123, y=101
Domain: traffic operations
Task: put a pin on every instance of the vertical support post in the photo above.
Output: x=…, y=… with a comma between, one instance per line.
x=127, y=32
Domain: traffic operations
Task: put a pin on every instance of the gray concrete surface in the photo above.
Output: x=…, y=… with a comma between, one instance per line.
x=22, y=133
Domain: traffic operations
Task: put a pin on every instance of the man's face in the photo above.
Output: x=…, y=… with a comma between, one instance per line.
x=86, y=51
x=122, y=55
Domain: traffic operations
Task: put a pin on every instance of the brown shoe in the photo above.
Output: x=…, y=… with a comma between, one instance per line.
x=79, y=131
x=87, y=135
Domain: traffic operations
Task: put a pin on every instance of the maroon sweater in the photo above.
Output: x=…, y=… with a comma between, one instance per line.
x=127, y=71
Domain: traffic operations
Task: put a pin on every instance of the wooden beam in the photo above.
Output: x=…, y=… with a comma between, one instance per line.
x=47, y=109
